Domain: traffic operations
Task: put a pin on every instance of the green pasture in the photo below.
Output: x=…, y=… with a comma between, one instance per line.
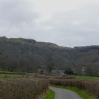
x=7, y=75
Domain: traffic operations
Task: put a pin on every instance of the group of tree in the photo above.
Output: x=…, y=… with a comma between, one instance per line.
x=27, y=55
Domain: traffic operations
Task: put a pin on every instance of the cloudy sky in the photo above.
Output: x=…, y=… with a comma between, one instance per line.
x=64, y=22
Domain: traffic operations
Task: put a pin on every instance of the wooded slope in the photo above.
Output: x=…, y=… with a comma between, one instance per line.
x=27, y=55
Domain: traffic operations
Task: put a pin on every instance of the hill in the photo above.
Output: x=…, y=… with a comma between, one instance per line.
x=27, y=55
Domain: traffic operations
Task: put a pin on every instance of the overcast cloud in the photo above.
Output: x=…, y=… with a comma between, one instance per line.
x=64, y=22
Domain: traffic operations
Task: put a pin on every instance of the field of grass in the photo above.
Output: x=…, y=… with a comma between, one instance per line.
x=50, y=95
x=7, y=75
x=4, y=76
x=81, y=93
x=87, y=78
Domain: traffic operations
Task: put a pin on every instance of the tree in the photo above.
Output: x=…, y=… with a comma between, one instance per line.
x=50, y=66
x=12, y=65
x=69, y=71
x=92, y=70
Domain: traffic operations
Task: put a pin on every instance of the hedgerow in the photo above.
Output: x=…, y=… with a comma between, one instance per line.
x=91, y=87
x=22, y=88
x=55, y=77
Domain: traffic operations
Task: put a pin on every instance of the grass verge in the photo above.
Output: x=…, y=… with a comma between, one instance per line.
x=81, y=93
x=50, y=95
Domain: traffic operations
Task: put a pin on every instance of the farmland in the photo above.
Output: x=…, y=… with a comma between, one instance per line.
x=84, y=83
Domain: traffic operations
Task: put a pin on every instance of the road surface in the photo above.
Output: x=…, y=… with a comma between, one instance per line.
x=64, y=94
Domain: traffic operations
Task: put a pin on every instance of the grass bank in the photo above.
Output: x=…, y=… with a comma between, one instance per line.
x=81, y=93
x=50, y=95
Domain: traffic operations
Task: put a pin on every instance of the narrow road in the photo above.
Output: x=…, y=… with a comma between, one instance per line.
x=64, y=94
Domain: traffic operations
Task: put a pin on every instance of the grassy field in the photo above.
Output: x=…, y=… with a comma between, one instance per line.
x=7, y=75
x=4, y=76
x=87, y=78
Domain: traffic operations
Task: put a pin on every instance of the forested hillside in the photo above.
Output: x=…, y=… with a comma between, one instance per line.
x=27, y=55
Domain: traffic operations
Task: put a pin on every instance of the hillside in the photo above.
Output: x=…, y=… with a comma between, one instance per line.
x=27, y=55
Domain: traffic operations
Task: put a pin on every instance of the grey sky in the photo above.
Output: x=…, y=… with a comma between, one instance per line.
x=64, y=22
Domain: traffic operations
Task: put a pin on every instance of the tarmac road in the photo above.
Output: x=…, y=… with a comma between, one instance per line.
x=64, y=94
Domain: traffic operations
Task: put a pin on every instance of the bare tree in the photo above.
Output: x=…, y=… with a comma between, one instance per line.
x=50, y=66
